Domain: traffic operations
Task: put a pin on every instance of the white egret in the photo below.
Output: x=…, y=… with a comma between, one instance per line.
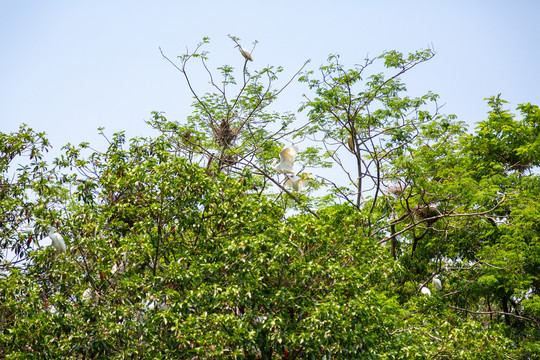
x=114, y=273
x=286, y=157
x=57, y=241
x=261, y=319
x=121, y=266
x=150, y=305
x=153, y=305
x=118, y=268
x=298, y=182
x=244, y=52
x=87, y=295
x=437, y=285
x=425, y=291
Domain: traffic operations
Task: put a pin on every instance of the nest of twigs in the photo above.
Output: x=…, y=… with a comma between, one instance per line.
x=397, y=190
x=229, y=160
x=425, y=211
x=522, y=166
x=225, y=134
x=186, y=136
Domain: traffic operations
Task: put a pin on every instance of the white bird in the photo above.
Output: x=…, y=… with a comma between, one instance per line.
x=87, y=295
x=298, y=183
x=153, y=305
x=261, y=319
x=437, y=285
x=57, y=241
x=425, y=291
x=244, y=52
x=286, y=156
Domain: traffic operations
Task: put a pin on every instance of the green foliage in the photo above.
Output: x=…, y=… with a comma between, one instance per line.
x=188, y=245
x=504, y=144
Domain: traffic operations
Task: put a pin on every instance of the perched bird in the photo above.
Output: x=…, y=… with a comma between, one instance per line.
x=350, y=142
x=244, y=52
x=57, y=241
x=155, y=305
x=437, y=285
x=425, y=291
x=151, y=305
x=286, y=157
x=298, y=182
x=87, y=295
x=261, y=319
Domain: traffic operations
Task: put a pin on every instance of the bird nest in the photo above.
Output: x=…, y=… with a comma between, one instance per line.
x=229, y=160
x=425, y=211
x=522, y=166
x=397, y=190
x=225, y=134
x=186, y=135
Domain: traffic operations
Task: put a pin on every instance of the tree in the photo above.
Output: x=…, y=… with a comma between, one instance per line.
x=189, y=245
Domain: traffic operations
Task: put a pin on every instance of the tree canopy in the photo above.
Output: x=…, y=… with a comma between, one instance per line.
x=189, y=244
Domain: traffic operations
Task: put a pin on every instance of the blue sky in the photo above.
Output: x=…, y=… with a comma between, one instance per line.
x=68, y=67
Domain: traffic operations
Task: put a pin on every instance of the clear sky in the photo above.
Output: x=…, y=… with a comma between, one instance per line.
x=68, y=67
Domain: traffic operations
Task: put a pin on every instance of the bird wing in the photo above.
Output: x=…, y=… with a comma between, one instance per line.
x=247, y=54
x=274, y=164
x=291, y=183
x=60, y=241
x=285, y=168
x=87, y=294
x=301, y=183
x=55, y=243
x=288, y=154
x=296, y=183
x=287, y=158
